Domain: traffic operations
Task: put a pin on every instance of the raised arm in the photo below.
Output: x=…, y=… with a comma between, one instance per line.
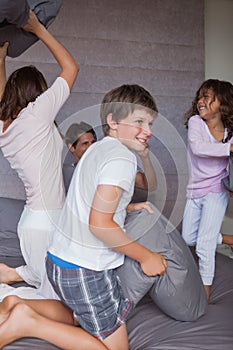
x=3, y=52
x=69, y=67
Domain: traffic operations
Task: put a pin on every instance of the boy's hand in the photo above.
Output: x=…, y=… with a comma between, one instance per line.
x=3, y=51
x=145, y=152
x=154, y=264
x=138, y=206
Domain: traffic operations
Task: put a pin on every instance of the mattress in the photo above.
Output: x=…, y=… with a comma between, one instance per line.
x=150, y=329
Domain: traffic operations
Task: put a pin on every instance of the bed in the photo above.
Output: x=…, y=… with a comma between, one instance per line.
x=149, y=328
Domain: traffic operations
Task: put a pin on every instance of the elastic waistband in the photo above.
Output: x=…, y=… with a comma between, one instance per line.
x=62, y=263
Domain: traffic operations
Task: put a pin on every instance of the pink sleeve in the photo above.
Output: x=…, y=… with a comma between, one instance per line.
x=198, y=141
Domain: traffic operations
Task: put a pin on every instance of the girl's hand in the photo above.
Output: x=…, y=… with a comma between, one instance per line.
x=154, y=264
x=138, y=206
x=3, y=51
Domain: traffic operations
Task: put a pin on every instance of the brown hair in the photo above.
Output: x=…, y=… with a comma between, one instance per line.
x=124, y=100
x=23, y=86
x=75, y=130
x=223, y=91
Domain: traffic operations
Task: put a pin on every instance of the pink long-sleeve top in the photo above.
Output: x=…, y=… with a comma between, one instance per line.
x=207, y=159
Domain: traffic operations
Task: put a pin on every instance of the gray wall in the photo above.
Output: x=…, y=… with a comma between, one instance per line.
x=155, y=43
x=218, y=39
x=218, y=62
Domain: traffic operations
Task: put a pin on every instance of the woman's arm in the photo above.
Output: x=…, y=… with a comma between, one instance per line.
x=69, y=67
x=103, y=226
x=3, y=52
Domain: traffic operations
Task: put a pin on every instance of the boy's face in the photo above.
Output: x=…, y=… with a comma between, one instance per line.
x=135, y=130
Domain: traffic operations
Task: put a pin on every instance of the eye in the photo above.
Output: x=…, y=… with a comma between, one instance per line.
x=139, y=121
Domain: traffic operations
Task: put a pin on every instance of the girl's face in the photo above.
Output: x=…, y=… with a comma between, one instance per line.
x=135, y=130
x=208, y=105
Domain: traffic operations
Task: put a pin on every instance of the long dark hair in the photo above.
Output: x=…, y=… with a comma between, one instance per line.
x=223, y=91
x=23, y=86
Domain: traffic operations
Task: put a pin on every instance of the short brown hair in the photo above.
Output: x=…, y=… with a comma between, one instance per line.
x=124, y=100
x=75, y=130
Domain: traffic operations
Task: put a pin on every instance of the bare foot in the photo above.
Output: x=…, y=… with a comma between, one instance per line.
x=7, y=305
x=227, y=239
x=13, y=328
x=3, y=317
x=8, y=274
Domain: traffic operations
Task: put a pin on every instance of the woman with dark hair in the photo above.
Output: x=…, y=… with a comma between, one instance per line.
x=33, y=146
x=31, y=142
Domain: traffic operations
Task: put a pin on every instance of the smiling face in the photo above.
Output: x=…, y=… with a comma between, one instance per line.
x=208, y=105
x=135, y=130
x=85, y=140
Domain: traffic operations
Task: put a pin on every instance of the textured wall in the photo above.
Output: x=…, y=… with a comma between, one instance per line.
x=156, y=43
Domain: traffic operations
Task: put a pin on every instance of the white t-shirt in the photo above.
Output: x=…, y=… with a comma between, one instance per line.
x=106, y=162
x=33, y=146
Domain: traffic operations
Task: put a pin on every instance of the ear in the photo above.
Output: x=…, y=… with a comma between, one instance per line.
x=112, y=123
x=71, y=148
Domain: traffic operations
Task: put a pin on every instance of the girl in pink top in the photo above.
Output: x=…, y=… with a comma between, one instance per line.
x=210, y=129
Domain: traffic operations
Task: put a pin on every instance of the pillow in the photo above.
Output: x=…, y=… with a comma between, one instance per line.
x=179, y=292
x=227, y=181
x=14, y=14
x=10, y=212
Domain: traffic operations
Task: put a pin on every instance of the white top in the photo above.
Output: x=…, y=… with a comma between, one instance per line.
x=33, y=146
x=106, y=162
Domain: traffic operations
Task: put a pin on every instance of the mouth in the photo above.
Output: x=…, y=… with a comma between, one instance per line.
x=142, y=141
x=201, y=108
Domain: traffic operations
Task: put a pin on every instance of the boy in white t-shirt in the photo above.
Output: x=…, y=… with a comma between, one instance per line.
x=90, y=241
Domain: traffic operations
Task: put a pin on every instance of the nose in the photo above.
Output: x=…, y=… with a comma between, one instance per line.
x=200, y=98
x=147, y=129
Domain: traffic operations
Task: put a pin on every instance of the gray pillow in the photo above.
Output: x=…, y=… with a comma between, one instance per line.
x=227, y=181
x=179, y=292
x=10, y=212
x=14, y=15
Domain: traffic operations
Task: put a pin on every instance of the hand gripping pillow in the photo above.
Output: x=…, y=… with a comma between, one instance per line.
x=14, y=15
x=179, y=292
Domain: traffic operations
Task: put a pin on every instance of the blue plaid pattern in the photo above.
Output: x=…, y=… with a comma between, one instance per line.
x=94, y=296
